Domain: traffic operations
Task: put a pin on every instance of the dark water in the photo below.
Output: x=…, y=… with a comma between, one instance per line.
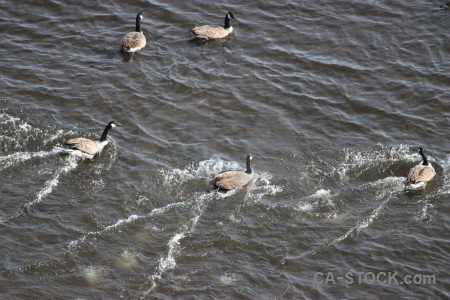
x=332, y=98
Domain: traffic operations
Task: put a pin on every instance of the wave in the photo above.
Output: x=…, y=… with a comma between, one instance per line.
x=260, y=187
x=354, y=162
x=169, y=261
x=49, y=185
x=203, y=170
x=387, y=189
x=156, y=211
x=20, y=157
x=72, y=163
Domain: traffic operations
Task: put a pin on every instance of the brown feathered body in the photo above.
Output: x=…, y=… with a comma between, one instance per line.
x=212, y=31
x=231, y=180
x=85, y=148
x=133, y=41
x=421, y=173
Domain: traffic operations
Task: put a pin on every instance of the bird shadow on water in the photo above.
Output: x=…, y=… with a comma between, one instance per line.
x=127, y=56
x=224, y=43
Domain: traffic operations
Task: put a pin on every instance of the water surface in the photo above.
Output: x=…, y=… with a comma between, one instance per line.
x=332, y=98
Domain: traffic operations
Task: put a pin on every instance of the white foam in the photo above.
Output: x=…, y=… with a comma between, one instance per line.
x=92, y=274
x=358, y=162
x=228, y=279
x=160, y=210
x=55, y=136
x=414, y=186
x=306, y=207
x=19, y=157
x=446, y=175
x=322, y=193
x=20, y=125
x=204, y=169
x=25, y=127
x=423, y=214
x=260, y=187
x=126, y=259
x=320, y=198
x=122, y=221
x=169, y=261
x=386, y=187
x=207, y=169
x=5, y=118
x=50, y=184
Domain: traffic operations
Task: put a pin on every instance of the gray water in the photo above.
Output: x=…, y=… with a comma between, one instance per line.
x=332, y=98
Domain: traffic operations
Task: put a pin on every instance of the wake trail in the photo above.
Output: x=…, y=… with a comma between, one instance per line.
x=20, y=157
x=169, y=261
x=49, y=185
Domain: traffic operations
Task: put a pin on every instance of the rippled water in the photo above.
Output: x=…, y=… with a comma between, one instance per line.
x=332, y=98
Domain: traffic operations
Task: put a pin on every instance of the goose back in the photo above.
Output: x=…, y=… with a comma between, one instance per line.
x=421, y=173
x=212, y=31
x=85, y=145
x=133, y=41
x=232, y=180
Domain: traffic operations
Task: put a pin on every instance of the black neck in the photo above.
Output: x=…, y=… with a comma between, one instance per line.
x=138, y=24
x=425, y=160
x=227, y=22
x=249, y=168
x=105, y=133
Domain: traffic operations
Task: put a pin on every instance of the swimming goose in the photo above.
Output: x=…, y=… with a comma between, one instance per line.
x=214, y=31
x=419, y=175
x=231, y=180
x=135, y=40
x=87, y=148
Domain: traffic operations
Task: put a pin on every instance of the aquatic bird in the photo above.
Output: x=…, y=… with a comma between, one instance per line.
x=419, y=175
x=233, y=180
x=445, y=6
x=135, y=40
x=214, y=31
x=87, y=148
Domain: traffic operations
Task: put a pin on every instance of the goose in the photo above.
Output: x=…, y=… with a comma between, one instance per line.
x=135, y=40
x=445, y=6
x=214, y=31
x=86, y=148
x=420, y=174
x=233, y=180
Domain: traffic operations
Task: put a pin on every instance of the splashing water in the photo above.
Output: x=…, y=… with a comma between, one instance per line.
x=391, y=186
x=169, y=261
x=205, y=169
x=20, y=157
x=49, y=185
x=157, y=211
x=359, y=162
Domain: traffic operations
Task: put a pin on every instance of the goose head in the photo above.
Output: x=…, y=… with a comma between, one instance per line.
x=113, y=124
x=230, y=15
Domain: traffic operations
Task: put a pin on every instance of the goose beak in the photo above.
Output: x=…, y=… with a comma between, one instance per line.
x=118, y=124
